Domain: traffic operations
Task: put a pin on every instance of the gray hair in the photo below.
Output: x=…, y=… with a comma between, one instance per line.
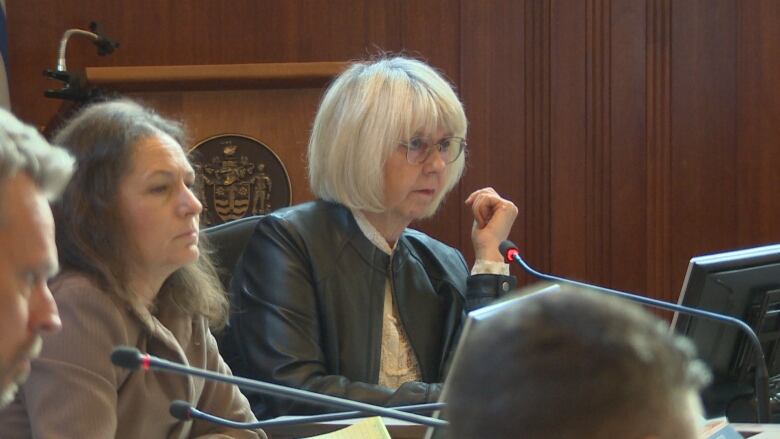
x=23, y=149
x=366, y=112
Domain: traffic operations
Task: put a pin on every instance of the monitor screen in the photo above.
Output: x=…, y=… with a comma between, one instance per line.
x=744, y=284
x=476, y=322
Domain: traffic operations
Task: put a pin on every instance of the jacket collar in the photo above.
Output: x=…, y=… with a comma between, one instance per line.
x=347, y=226
x=370, y=232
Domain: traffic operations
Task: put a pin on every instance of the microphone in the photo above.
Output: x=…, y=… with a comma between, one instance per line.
x=131, y=358
x=75, y=87
x=184, y=411
x=509, y=250
x=104, y=44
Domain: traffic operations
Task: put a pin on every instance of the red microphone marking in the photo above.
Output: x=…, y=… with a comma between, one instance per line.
x=146, y=362
x=510, y=254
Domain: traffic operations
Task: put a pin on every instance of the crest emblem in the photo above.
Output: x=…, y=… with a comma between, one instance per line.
x=238, y=176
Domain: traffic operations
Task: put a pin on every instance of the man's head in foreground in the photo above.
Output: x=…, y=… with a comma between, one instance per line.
x=32, y=172
x=574, y=363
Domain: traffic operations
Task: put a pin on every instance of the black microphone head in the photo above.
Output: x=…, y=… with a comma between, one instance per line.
x=504, y=248
x=105, y=45
x=127, y=357
x=180, y=410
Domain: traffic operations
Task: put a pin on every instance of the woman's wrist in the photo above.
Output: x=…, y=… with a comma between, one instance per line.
x=488, y=254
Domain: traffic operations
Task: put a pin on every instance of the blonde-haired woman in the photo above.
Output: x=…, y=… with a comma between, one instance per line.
x=338, y=295
x=132, y=274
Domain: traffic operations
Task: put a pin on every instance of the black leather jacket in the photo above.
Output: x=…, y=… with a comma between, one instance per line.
x=307, y=304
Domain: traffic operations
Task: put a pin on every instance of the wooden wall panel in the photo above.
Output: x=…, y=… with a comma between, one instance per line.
x=536, y=178
x=598, y=165
x=703, y=135
x=758, y=121
x=632, y=134
x=167, y=32
x=494, y=88
x=569, y=245
x=628, y=153
x=659, y=147
x=598, y=159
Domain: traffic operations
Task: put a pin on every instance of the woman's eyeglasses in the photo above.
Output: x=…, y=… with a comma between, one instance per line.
x=418, y=149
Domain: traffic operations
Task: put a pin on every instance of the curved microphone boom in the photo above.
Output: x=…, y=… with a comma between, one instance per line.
x=185, y=411
x=131, y=358
x=512, y=254
x=104, y=44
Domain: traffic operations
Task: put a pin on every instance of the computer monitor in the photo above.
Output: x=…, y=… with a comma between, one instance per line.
x=476, y=319
x=744, y=284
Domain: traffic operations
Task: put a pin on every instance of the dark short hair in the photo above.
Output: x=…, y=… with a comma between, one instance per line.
x=572, y=363
x=90, y=231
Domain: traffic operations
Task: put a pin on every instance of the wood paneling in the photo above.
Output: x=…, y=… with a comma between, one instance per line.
x=598, y=159
x=658, y=142
x=632, y=134
x=214, y=76
x=569, y=243
x=537, y=165
x=758, y=121
x=494, y=87
x=703, y=134
x=628, y=151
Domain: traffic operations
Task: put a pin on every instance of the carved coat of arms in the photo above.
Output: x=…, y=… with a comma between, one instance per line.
x=238, y=176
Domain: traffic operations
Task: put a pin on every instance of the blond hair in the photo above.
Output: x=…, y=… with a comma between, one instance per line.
x=365, y=113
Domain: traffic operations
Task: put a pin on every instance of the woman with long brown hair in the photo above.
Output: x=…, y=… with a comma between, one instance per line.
x=133, y=273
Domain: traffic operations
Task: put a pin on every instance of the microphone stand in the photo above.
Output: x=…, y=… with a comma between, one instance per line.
x=75, y=87
x=183, y=410
x=104, y=45
x=130, y=358
x=762, y=375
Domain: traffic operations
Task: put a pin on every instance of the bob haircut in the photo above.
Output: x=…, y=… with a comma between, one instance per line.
x=90, y=231
x=370, y=108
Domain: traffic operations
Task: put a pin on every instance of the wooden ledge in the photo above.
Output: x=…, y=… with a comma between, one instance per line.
x=213, y=77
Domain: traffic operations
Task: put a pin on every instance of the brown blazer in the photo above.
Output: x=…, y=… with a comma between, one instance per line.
x=75, y=392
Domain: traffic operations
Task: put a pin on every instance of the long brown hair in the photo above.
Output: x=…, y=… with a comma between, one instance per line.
x=91, y=236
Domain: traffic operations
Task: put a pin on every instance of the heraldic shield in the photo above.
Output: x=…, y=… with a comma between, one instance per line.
x=237, y=177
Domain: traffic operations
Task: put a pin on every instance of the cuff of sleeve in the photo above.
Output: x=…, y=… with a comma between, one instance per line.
x=483, y=266
x=482, y=289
